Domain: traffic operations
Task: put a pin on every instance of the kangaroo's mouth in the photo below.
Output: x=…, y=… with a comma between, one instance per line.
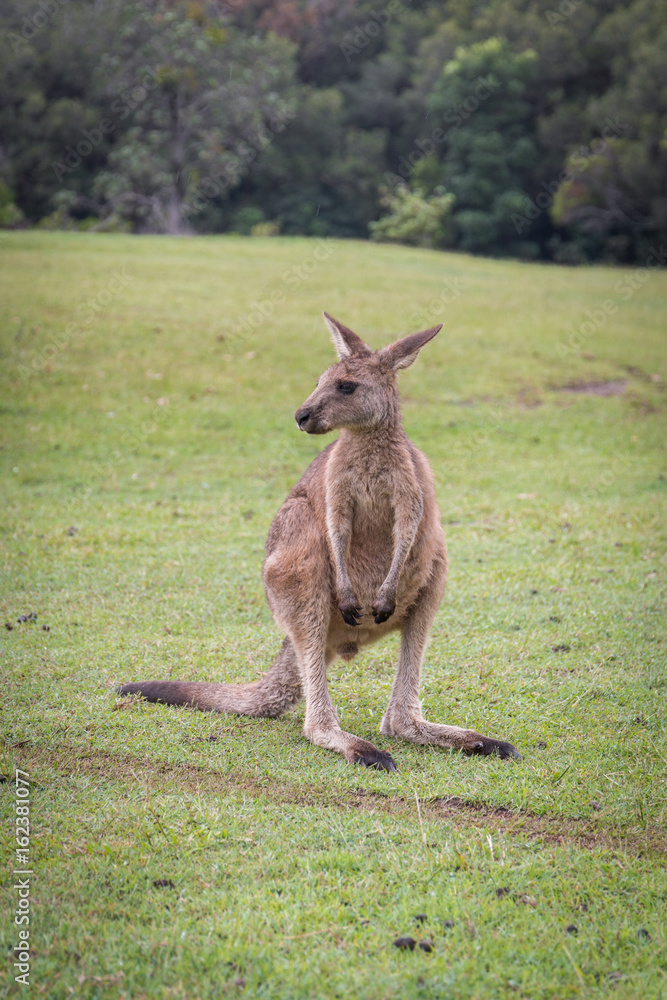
x=307, y=421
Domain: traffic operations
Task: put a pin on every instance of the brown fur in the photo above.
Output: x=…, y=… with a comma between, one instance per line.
x=355, y=552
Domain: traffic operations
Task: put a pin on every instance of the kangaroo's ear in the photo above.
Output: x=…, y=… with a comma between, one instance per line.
x=345, y=341
x=405, y=351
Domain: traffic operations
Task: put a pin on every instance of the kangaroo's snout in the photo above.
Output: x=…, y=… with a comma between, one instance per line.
x=302, y=417
x=310, y=418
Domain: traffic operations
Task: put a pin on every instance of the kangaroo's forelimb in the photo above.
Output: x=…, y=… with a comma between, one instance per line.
x=339, y=515
x=408, y=512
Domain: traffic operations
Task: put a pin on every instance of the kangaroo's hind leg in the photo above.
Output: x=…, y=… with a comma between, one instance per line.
x=403, y=717
x=298, y=577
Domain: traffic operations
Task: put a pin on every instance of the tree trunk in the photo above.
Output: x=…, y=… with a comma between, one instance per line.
x=175, y=224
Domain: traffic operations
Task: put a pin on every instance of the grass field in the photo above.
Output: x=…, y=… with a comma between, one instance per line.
x=147, y=400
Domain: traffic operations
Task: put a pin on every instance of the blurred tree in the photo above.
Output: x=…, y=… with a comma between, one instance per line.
x=415, y=219
x=600, y=95
x=320, y=176
x=481, y=128
x=618, y=193
x=47, y=99
x=204, y=101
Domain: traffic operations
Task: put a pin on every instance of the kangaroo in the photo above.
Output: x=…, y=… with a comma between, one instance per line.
x=356, y=551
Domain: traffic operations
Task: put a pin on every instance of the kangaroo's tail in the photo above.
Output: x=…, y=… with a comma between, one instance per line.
x=275, y=693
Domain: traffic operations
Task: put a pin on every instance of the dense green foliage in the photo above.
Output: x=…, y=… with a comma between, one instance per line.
x=545, y=120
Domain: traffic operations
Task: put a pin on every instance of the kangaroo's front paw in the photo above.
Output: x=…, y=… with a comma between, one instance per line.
x=383, y=608
x=349, y=608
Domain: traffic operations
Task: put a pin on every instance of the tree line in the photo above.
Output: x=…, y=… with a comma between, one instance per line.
x=530, y=128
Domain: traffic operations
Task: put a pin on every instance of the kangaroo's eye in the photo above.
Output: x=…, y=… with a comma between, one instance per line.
x=347, y=387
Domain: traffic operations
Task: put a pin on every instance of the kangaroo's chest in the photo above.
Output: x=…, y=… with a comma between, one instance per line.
x=373, y=526
x=371, y=502
x=367, y=494
x=371, y=544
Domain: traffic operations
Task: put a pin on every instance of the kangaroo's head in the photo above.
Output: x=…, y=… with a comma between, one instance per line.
x=359, y=392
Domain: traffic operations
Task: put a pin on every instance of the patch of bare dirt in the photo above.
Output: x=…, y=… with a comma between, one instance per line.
x=528, y=398
x=614, y=387
x=588, y=833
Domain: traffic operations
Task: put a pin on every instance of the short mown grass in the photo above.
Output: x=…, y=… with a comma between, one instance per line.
x=144, y=455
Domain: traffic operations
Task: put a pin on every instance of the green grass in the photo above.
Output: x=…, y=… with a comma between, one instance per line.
x=142, y=463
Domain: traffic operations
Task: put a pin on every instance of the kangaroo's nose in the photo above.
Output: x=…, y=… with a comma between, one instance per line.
x=302, y=417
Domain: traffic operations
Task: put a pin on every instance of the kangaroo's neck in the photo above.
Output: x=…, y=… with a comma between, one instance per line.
x=381, y=439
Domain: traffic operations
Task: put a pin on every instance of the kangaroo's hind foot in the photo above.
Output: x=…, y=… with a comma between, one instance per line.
x=419, y=730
